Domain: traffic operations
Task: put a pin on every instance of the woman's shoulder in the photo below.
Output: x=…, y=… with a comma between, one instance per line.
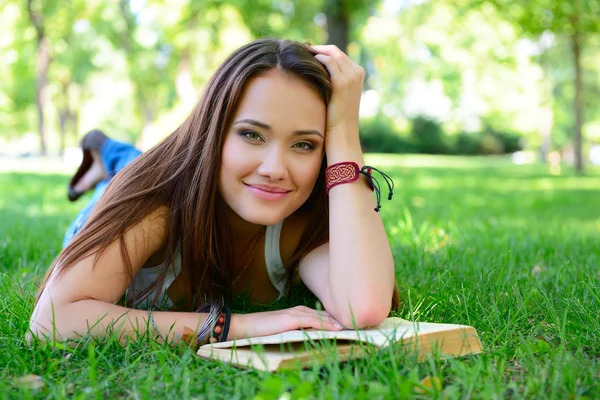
x=158, y=219
x=156, y=227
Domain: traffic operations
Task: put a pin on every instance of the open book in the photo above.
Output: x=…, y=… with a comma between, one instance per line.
x=303, y=348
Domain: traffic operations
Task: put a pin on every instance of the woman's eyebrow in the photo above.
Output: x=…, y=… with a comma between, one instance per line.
x=262, y=125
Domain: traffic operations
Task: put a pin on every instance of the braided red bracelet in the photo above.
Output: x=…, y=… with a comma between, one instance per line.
x=348, y=171
x=343, y=172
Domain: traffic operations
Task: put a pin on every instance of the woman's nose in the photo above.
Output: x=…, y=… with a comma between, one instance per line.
x=273, y=165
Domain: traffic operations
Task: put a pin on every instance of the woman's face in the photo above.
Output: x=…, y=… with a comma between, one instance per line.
x=273, y=150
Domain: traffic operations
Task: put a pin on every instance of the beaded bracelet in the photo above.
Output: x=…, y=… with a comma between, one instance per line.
x=223, y=337
x=215, y=327
x=214, y=310
x=221, y=328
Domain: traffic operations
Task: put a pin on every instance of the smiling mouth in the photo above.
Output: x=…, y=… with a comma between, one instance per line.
x=267, y=193
x=268, y=189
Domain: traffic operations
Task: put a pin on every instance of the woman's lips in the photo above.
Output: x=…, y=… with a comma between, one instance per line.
x=268, y=194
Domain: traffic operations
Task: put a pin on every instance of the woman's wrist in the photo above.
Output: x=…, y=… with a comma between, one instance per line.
x=343, y=147
x=242, y=326
x=238, y=327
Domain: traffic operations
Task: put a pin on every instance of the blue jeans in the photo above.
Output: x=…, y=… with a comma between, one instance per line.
x=115, y=156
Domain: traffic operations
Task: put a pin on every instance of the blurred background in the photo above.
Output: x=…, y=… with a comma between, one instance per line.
x=468, y=77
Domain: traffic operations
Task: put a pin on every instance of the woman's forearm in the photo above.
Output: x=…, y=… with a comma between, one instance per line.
x=98, y=318
x=361, y=269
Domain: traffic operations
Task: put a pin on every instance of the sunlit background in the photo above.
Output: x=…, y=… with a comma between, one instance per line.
x=468, y=77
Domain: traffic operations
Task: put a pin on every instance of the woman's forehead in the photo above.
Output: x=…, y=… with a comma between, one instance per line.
x=281, y=101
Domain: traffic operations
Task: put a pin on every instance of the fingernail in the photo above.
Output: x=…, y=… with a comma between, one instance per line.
x=337, y=324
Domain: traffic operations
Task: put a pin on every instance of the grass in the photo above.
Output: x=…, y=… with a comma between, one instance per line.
x=510, y=250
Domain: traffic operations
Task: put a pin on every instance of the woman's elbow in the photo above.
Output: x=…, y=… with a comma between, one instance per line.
x=36, y=332
x=45, y=325
x=40, y=331
x=370, y=314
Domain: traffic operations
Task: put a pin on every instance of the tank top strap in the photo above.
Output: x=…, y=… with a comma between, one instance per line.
x=275, y=267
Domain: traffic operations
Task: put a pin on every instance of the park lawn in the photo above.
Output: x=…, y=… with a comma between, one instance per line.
x=511, y=250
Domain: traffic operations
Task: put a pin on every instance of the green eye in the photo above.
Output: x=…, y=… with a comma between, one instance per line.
x=250, y=135
x=304, y=146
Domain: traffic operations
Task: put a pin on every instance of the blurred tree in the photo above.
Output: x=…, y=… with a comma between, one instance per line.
x=547, y=98
x=73, y=52
x=574, y=19
x=458, y=66
x=181, y=34
x=139, y=35
x=63, y=60
x=345, y=18
x=39, y=12
x=285, y=19
x=338, y=23
x=17, y=88
x=193, y=30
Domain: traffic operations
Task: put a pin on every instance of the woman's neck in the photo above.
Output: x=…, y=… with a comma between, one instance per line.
x=241, y=230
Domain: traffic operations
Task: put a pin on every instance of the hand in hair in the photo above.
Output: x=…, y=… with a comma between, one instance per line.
x=347, y=80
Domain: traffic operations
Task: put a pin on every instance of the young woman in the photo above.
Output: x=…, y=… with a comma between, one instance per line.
x=239, y=197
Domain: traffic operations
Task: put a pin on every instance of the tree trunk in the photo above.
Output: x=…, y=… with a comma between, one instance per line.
x=64, y=115
x=41, y=71
x=547, y=111
x=41, y=81
x=75, y=124
x=145, y=139
x=578, y=101
x=62, y=123
x=338, y=24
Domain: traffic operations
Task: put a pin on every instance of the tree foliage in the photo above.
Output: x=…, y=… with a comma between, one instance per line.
x=473, y=66
x=574, y=19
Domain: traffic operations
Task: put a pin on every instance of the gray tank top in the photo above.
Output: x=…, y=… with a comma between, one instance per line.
x=146, y=276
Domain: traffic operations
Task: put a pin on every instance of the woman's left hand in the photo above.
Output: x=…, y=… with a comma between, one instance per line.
x=347, y=81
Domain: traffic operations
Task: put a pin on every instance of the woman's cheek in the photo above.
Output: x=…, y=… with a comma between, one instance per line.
x=309, y=174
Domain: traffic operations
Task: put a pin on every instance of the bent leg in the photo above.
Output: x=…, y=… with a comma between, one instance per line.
x=115, y=156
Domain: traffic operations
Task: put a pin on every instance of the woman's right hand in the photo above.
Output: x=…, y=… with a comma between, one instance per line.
x=273, y=322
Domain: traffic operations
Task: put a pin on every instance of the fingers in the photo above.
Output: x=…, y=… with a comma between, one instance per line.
x=329, y=50
x=332, y=66
x=309, y=318
x=331, y=55
x=337, y=62
x=345, y=63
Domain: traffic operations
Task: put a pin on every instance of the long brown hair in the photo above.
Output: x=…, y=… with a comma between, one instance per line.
x=181, y=173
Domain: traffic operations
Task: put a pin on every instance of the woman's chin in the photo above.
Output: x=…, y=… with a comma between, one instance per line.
x=264, y=215
x=264, y=218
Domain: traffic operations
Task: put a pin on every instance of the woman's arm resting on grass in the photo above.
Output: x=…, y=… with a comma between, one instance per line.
x=83, y=298
x=99, y=318
x=84, y=293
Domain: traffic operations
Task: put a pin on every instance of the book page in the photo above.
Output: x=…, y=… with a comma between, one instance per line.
x=391, y=330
